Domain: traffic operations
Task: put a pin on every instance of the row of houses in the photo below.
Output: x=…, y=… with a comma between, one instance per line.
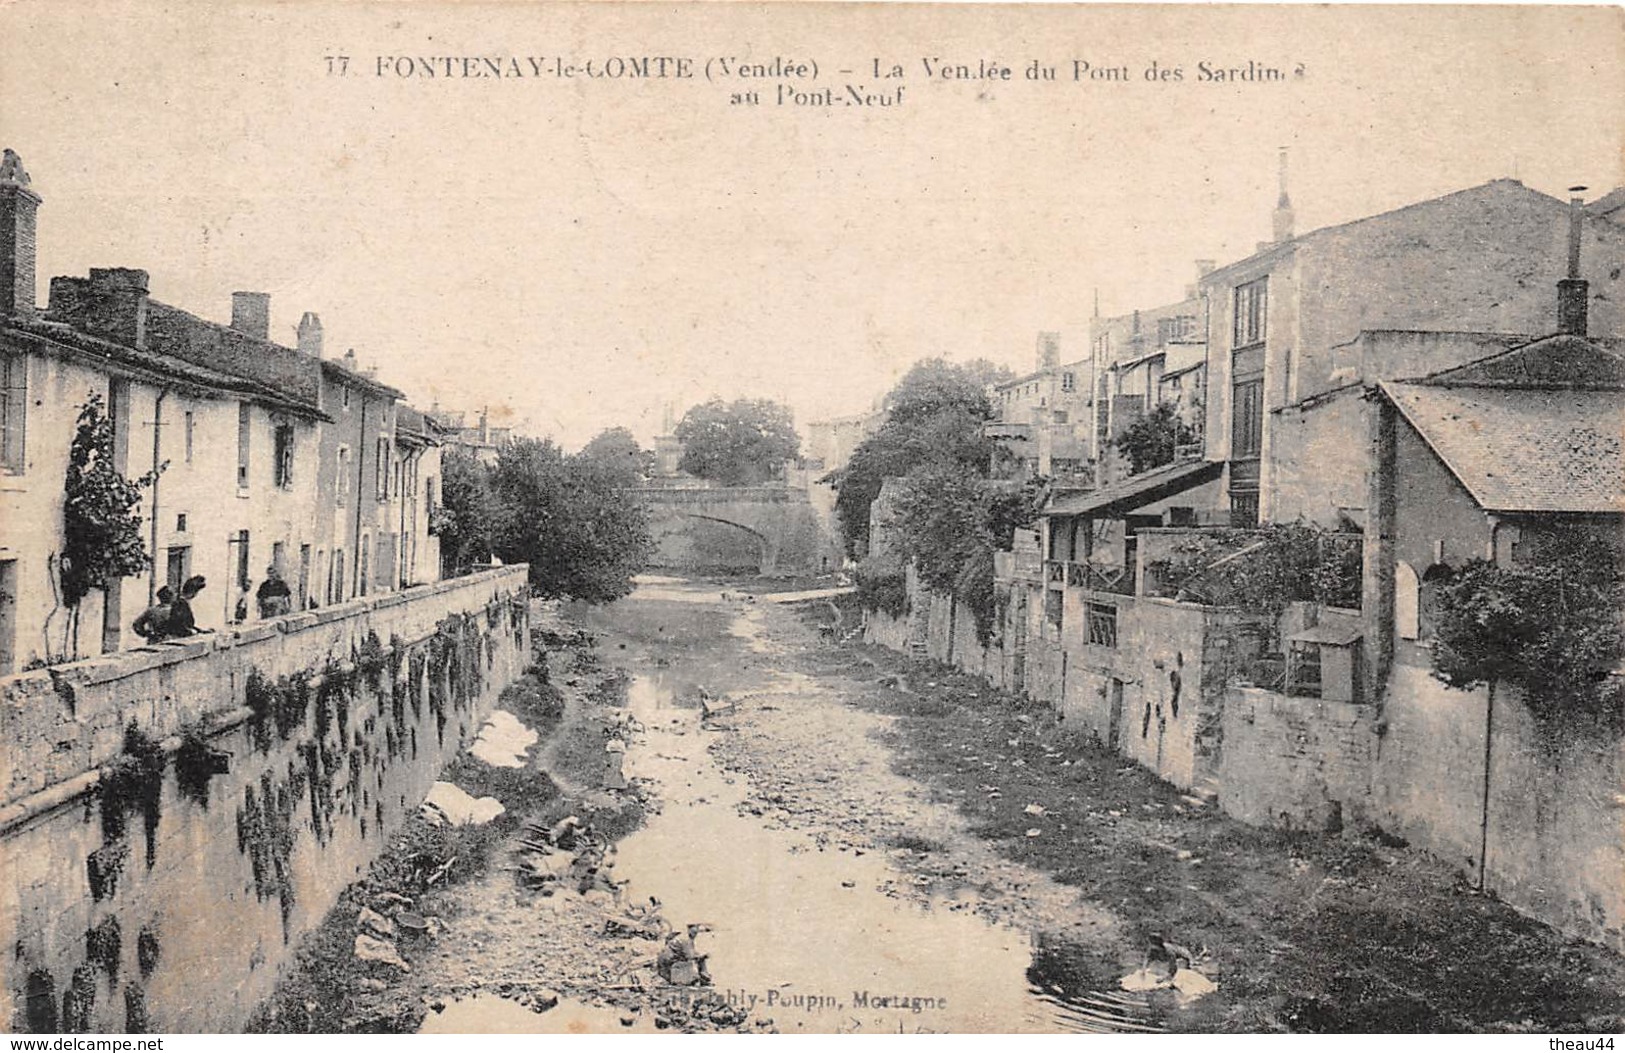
x=1425, y=387
x=267, y=455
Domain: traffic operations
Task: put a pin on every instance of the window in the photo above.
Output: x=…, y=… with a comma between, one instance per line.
x=1252, y=306
x=345, y=389
x=242, y=559
x=1101, y=621
x=189, y=425
x=381, y=468
x=1178, y=327
x=1069, y=381
x=343, y=487
x=243, y=420
x=1247, y=424
x=284, y=456
x=13, y=413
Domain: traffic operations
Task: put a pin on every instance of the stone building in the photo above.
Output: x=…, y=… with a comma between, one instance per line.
x=269, y=455
x=1284, y=322
x=1042, y=419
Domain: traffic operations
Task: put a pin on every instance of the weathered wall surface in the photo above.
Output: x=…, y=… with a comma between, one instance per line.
x=1295, y=763
x=169, y=901
x=1555, y=833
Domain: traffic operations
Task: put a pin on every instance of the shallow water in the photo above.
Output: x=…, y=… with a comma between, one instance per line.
x=811, y=939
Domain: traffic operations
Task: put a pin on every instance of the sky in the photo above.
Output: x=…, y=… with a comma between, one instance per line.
x=578, y=253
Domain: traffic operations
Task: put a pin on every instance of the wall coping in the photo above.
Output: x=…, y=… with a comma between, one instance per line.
x=101, y=669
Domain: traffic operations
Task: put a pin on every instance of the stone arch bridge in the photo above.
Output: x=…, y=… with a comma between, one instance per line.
x=730, y=529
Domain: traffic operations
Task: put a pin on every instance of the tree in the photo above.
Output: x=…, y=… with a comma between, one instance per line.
x=1549, y=623
x=739, y=443
x=100, y=525
x=933, y=385
x=568, y=517
x=935, y=416
x=949, y=521
x=618, y=453
x=1151, y=440
x=468, y=509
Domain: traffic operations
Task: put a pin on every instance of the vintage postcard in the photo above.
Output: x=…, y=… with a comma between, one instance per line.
x=654, y=518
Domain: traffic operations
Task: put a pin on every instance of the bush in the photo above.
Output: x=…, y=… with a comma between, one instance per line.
x=1549, y=623
x=1266, y=569
x=882, y=589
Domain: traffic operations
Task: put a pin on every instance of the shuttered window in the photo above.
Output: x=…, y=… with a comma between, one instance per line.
x=13, y=413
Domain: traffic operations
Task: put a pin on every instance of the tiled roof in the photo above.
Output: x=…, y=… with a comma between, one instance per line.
x=1559, y=361
x=1523, y=449
x=148, y=362
x=1136, y=491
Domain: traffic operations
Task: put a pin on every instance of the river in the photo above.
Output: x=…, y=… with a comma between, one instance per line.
x=814, y=934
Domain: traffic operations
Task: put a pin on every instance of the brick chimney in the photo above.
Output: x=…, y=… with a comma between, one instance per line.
x=310, y=334
x=251, y=314
x=1573, y=292
x=18, y=205
x=111, y=304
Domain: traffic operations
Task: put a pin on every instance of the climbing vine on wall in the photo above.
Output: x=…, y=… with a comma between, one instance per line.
x=100, y=525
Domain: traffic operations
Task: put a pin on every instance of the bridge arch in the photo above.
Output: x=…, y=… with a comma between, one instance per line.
x=767, y=546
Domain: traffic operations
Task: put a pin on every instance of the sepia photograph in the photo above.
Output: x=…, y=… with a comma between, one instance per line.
x=599, y=518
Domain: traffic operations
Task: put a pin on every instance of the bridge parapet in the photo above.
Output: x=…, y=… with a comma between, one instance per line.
x=752, y=495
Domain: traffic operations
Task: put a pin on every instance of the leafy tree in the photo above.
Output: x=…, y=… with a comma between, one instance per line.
x=568, y=517
x=1150, y=440
x=1549, y=623
x=618, y=453
x=949, y=521
x=934, y=416
x=100, y=525
x=468, y=509
x=933, y=385
x=739, y=443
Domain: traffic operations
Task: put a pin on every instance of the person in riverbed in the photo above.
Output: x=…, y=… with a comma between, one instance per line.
x=680, y=948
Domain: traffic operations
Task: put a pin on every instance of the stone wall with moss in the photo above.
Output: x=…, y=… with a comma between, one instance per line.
x=175, y=819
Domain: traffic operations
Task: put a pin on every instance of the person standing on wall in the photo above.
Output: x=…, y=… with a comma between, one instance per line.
x=273, y=596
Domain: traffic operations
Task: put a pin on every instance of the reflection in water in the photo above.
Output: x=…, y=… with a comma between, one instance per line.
x=813, y=935
x=811, y=939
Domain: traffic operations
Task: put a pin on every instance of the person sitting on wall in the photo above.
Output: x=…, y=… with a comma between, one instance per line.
x=273, y=596
x=153, y=623
x=181, y=621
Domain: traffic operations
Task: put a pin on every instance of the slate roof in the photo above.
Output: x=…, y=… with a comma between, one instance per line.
x=1523, y=449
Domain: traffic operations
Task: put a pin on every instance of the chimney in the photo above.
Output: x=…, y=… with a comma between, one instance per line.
x=1283, y=206
x=310, y=334
x=349, y=360
x=251, y=314
x=1573, y=292
x=1049, y=350
x=111, y=304
x=18, y=205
